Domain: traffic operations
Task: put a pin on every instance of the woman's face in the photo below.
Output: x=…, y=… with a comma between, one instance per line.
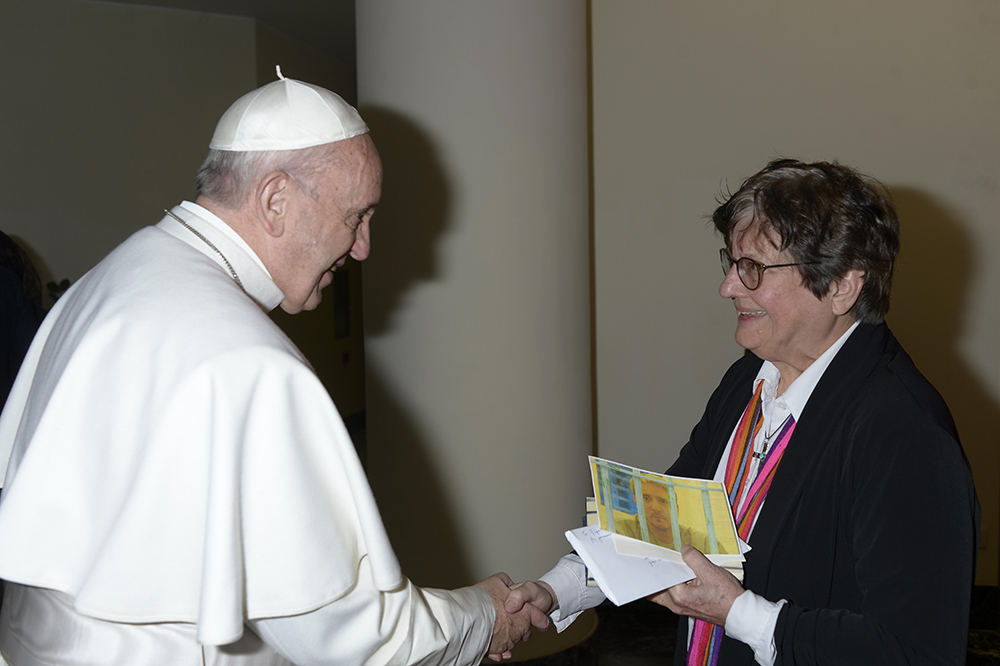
x=780, y=321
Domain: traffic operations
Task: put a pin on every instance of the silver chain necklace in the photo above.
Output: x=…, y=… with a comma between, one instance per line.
x=232, y=271
x=767, y=438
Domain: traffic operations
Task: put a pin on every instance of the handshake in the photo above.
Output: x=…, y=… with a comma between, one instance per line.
x=519, y=608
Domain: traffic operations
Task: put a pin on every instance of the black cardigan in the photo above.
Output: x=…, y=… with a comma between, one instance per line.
x=871, y=525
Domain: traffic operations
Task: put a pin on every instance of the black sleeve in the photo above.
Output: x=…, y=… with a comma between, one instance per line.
x=910, y=536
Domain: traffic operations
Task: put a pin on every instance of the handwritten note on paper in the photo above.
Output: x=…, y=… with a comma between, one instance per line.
x=621, y=577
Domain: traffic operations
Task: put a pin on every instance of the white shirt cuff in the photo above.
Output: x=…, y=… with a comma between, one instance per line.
x=751, y=620
x=568, y=579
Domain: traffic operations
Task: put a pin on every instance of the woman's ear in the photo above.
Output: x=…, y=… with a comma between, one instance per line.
x=845, y=291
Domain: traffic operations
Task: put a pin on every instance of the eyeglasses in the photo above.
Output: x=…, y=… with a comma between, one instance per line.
x=750, y=271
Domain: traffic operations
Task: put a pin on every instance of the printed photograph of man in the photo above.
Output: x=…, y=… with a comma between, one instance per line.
x=658, y=511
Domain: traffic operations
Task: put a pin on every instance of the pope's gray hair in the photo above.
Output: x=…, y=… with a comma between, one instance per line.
x=229, y=177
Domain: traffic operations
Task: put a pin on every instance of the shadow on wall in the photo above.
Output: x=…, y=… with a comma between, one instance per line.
x=409, y=488
x=936, y=268
x=412, y=215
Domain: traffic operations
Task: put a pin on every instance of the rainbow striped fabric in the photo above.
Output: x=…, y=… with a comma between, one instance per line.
x=706, y=638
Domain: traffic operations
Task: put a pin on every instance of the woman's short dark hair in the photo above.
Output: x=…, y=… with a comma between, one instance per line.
x=831, y=219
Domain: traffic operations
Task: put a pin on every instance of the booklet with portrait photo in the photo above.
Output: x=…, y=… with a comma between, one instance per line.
x=655, y=515
x=638, y=522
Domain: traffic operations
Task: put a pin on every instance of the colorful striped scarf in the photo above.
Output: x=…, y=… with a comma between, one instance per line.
x=706, y=638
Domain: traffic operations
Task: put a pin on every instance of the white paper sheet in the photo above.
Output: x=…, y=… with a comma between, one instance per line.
x=621, y=577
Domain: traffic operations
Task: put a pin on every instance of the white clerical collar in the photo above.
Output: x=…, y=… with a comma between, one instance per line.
x=253, y=275
x=798, y=392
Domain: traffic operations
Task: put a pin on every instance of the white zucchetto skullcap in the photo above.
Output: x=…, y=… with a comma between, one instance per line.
x=286, y=115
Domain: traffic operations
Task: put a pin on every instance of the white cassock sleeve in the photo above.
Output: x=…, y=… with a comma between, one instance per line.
x=409, y=625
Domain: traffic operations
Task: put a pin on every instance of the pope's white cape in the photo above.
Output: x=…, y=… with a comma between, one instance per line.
x=211, y=478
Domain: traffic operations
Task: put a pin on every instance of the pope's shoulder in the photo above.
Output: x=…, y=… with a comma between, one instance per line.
x=162, y=295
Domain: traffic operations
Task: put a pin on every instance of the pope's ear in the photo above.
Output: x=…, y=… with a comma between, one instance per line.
x=846, y=290
x=273, y=202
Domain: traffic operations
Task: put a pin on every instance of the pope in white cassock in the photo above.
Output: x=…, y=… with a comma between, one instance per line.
x=180, y=488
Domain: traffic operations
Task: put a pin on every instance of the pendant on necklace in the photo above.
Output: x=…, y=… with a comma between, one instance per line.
x=767, y=439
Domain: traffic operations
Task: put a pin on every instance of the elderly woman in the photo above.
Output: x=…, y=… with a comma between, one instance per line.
x=842, y=462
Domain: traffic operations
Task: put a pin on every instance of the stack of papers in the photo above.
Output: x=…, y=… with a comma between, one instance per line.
x=638, y=522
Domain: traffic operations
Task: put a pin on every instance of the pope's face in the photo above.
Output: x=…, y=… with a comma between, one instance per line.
x=331, y=222
x=781, y=320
